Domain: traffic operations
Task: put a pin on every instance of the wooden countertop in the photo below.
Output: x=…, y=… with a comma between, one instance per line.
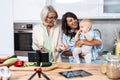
x=54, y=75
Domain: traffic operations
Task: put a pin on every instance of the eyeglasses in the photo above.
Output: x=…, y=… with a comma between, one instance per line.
x=52, y=17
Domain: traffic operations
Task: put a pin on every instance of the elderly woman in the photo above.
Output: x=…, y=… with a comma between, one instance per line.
x=70, y=27
x=47, y=36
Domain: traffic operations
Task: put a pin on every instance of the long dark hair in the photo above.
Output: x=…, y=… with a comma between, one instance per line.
x=65, y=28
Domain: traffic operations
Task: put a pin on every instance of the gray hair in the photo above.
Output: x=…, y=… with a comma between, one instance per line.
x=45, y=11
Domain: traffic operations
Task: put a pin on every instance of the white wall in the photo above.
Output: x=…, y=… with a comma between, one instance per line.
x=108, y=27
x=6, y=28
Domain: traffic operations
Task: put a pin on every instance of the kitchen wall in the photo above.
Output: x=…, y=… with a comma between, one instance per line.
x=6, y=31
x=107, y=28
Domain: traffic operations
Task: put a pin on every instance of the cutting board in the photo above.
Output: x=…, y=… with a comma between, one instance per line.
x=31, y=68
x=5, y=64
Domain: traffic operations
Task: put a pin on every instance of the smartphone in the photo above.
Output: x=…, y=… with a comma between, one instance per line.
x=75, y=73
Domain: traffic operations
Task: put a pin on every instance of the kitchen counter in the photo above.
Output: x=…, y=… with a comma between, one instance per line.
x=54, y=75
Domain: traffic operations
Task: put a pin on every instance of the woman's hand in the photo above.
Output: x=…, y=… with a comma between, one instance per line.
x=63, y=46
x=79, y=43
x=42, y=49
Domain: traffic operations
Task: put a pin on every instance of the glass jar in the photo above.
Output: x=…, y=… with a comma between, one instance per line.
x=113, y=68
x=103, y=64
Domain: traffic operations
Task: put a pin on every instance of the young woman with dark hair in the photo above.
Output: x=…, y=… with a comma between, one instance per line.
x=70, y=26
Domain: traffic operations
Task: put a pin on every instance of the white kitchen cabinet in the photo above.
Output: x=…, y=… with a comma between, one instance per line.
x=109, y=9
x=27, y=10
x=94, y=9
x=6, y=25
x=82, y=8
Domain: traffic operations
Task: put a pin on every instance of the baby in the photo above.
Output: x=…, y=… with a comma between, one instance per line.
x=85, y=32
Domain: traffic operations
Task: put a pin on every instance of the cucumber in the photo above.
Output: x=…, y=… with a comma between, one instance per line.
x=45, y=64
x=10, y=61
x=13, y=56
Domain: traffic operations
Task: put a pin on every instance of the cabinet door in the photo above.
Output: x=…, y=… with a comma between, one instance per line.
x=27, y=10
x=109, y=9
x=82, y=8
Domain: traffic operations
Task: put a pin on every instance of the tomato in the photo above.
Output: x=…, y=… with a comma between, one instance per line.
x=19, y=63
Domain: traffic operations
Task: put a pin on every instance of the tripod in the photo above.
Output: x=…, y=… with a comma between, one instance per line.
x=38, y=71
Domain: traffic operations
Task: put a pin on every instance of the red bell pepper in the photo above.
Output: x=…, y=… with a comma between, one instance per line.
x=19, y=63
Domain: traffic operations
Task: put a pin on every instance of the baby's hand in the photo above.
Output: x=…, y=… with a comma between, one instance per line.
x=82, y=33
x=63, y=46
x=78, y=32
